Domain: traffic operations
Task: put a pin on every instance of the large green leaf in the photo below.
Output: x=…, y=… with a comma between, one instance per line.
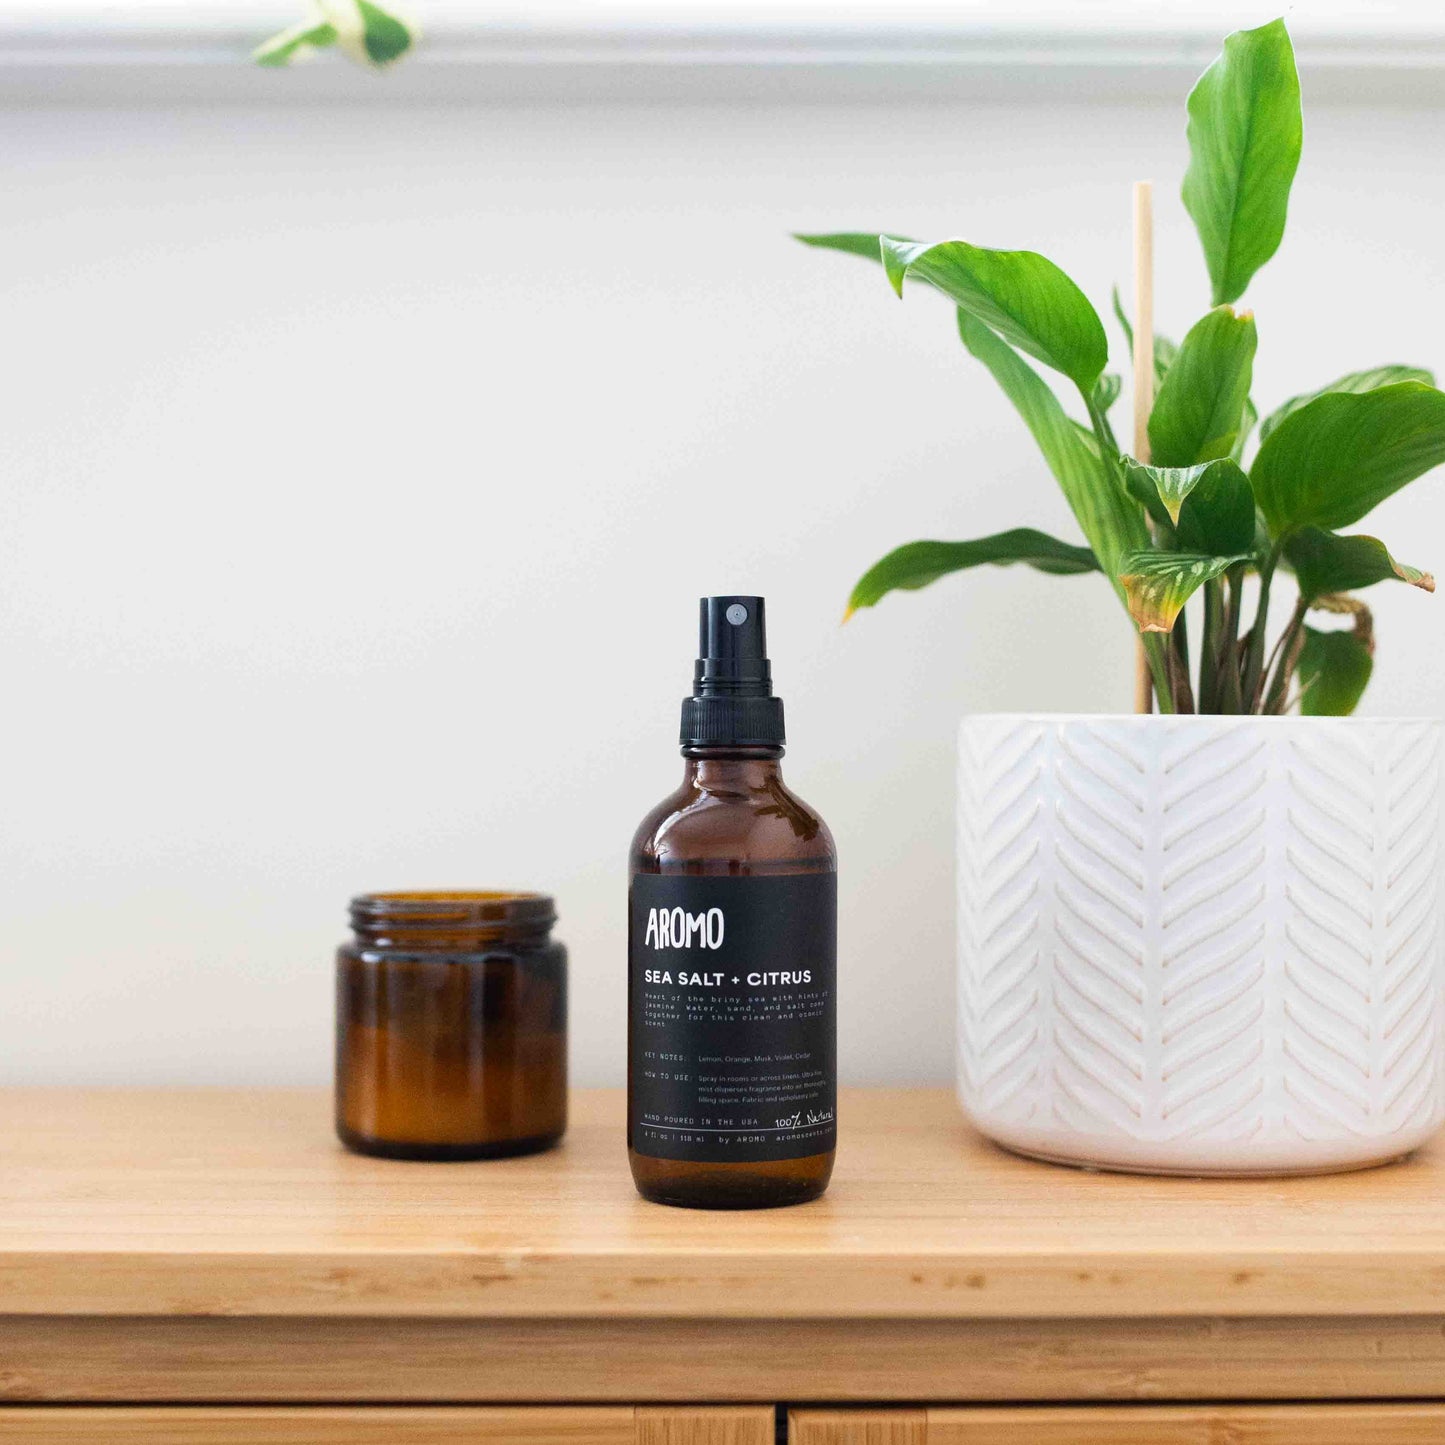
x=1198, y=412
x=1158, y=584
x=854, y=243
x=1326, y=562
x=1338, y=456
x=919, y=563
x=1219, y=516
x=1211, y=505
x=1353, y=381
x=1019, y=294
x=1244, y=133
x=1334, y=670
x=1111, y=522
x=1246, y=426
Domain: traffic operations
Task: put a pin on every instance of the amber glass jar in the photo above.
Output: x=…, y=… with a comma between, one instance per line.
x=451, y=1034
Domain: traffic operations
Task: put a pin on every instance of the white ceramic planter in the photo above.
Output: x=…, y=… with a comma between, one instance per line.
x=1201, y=945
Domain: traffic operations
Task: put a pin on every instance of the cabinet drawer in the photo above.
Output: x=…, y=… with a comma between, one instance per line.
x=1126, y=1425
x=364, y=1425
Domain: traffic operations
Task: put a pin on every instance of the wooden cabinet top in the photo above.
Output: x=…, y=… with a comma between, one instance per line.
x=234, y=1202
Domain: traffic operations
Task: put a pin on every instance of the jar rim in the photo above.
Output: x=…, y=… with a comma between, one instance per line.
x=456, y=906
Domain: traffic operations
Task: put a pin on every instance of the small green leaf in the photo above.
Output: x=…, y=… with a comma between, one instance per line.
x=1140, y=483
x=1106, y=390
x=1125, y=325
x=1334, y=669
x=1019, y=294
x=1327, y=562
x=1170, y=484
x=1353, y=382
x=1158, y=584
x=919, y=563
x=1336, y=457
x=386, y=38
x=1244, y=133
x=1211, y=505
x=1111, y=523
x=1164, y=350
x=1197, y=414
x=854, y=243
x=295, y=43
x=1166, y=353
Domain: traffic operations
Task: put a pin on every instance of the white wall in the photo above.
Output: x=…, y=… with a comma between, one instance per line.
x=363, y=467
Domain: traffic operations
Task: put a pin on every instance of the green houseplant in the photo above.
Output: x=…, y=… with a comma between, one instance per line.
x=1206, y=943
x=1224, y=499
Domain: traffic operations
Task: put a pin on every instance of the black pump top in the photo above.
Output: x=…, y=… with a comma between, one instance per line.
x=732, y=647
x=732, y=702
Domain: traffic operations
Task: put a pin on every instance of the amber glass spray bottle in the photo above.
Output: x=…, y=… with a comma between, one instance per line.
x=732, y=944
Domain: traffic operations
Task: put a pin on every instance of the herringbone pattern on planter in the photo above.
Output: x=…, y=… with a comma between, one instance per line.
x=1199, y=942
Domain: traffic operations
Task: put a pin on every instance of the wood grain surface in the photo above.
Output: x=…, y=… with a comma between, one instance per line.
x=1179, y=1425
x=858, y=1427
x=237, y=1203
x=334, y=1426
x=372, y=1426
x=153, y=1359
x=656, y=1425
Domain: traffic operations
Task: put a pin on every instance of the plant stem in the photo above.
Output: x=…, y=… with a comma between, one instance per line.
x=1178, y=645
x=1283, y=659
x=1155, y=649
x=1158, y=656
x=1104, y=435
x=1230, y=700
x=1253, y=681
x=1103, y=424
x=1209, y=648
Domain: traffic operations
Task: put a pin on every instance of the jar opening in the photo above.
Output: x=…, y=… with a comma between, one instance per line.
x=459, y=908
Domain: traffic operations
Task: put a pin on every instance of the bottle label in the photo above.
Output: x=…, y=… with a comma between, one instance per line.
x=732, y=1017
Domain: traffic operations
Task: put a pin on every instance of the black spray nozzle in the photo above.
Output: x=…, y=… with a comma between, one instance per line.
x=732, y=649
x=732, y=702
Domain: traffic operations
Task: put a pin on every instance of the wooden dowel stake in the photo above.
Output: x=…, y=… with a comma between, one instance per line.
x=1143, y=378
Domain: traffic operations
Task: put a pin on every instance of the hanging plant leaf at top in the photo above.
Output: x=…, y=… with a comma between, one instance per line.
x=368, y=33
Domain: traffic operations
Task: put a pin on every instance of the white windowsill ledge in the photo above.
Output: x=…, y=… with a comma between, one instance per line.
x=65, y=51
